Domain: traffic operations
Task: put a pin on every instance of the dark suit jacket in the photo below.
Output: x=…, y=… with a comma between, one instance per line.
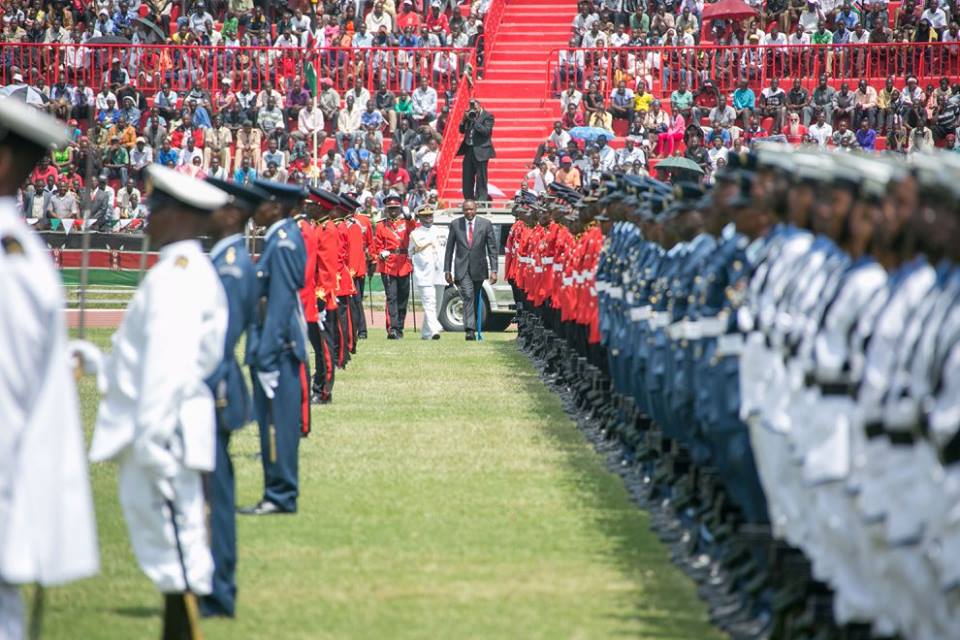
x=478, y=260
x=482, y=126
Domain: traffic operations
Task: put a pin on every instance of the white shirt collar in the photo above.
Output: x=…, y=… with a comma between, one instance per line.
x=223, y=243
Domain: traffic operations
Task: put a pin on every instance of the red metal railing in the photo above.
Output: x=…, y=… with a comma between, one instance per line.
x=661, y=69
x=451, y=138
x=491, y=27
x=151, y=66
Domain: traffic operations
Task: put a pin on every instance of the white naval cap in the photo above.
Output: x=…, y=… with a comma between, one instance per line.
x=30, y=124
x=188, y=191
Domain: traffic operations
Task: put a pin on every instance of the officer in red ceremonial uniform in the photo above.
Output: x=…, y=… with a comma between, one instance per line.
x=321, y=204
x=345, y=288
x=359, y=241
x=390, y=243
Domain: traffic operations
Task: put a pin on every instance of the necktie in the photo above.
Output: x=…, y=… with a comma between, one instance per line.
x=470, y=233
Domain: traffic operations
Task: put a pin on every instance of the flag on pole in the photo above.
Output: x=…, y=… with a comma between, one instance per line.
x=310, y=74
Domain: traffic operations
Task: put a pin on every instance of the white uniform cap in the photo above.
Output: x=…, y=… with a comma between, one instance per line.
x=30, y=124
x=189, y=191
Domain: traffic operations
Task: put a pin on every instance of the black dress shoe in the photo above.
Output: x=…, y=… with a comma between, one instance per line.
x=362, y=335
x=471, y=335
x=392, y=335
x=435, y=336
x=262, y=508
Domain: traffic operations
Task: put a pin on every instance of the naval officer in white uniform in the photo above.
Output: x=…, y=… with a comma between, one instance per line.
x=157, y=415
x=427, y=245
x=47, y=527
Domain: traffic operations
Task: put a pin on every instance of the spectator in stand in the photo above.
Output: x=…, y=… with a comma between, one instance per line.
x=744, y=101
x=795, y=132
x=912, y=101
x=539, y=177
x=821, y=132
x=424, y=103
x=888, y=100
x=823, y=98
x=844, y=103
x=116, y=160
x=773, y=104
x=865, y=100
x=798, y=102
x=670, y=139
x=921, y=138
x=245, y=172
x=568, y=175
x=629, y=154
x=621, y=102
x=681, y=100
x=866, y=136
x=602, y=119
x=843, y=136
x=572, y=118
x=141, y=156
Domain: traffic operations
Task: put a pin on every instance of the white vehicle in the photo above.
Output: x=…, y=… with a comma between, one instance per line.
x=498, y=305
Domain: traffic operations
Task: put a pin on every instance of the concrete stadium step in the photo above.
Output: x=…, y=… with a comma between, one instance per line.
x=514, y=88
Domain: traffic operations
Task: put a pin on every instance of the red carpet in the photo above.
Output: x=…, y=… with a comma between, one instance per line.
x=513, y=88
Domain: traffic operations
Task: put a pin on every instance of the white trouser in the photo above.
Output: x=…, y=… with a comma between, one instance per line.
x=428, y=298
x=11, y=612
x=165, y=553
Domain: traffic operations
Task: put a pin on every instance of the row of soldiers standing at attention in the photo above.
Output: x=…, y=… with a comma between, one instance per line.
x=780, y=379
x=172, y=388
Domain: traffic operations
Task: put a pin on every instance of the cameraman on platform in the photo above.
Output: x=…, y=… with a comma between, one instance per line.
x=476, y=149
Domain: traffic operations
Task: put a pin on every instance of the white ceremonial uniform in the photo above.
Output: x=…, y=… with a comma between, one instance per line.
x=157, y=415
x=47, y=526
x=427, y=246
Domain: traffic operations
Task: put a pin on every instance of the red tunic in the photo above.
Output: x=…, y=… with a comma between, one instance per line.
x=367, y=227
x=345, y=286
x=393, y=236
x=328, y=258
x=356, y=249
x=510, y=251
x=308, y=297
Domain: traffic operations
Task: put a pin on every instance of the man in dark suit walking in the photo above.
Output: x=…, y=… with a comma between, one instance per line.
x=471, y=241
x=476, y=149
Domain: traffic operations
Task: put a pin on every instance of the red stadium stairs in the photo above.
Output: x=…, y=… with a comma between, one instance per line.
x=513, y=88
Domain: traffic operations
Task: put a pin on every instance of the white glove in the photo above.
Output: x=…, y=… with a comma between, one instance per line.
x=384, y=254
x=269, y=380
x=86, y=355
x=322, y=320
x=88, y=358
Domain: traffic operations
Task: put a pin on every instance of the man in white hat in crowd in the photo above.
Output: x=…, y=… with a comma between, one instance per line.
x=47, y=526
x=157, y=414
x=427, y=246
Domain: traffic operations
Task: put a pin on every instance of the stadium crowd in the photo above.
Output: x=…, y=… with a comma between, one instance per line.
x=369, y=123
x=749, y=80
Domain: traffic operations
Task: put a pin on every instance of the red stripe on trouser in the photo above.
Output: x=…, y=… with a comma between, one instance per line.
x=328, y=363
x=342, y=352
x=304, y=400
x=350, y=333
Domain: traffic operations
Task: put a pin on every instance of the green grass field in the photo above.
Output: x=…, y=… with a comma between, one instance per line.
x=444, y=494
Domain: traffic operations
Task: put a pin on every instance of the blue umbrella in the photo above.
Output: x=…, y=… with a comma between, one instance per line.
x=590, y=134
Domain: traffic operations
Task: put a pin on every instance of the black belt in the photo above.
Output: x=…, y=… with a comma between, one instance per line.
x=837, y=389
x=874, y=429
x=902, y=438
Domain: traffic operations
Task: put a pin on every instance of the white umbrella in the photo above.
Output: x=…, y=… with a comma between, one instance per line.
x=494, y=192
